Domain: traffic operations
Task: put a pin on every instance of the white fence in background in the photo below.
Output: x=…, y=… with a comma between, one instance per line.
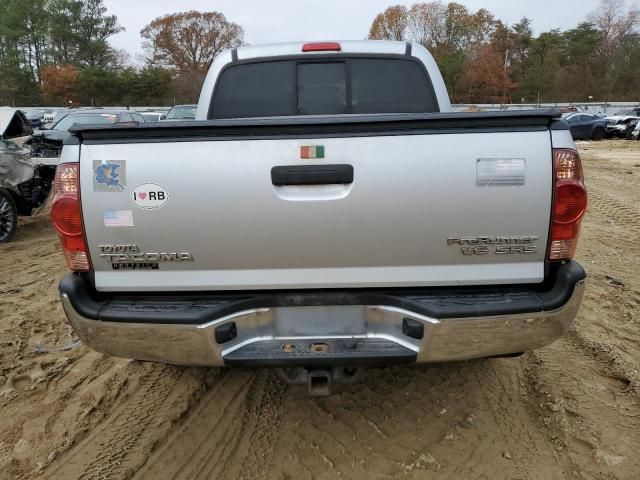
x=606, y=108
x=609, y=108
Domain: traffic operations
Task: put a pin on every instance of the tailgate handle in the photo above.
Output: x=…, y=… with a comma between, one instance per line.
x=312, y=175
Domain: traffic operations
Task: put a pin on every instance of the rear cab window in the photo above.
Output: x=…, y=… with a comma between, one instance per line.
x=322, y=88
x=327, y=86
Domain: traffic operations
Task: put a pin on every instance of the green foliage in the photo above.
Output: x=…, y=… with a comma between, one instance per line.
x=451, y=64
x=49, y=45
x=55, y=51
x=599, y=58
x=36, y=34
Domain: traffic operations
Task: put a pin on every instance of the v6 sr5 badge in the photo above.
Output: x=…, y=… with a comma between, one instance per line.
x=149, y=196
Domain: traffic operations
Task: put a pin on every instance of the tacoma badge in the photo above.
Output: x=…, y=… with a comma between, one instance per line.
x=132, y=254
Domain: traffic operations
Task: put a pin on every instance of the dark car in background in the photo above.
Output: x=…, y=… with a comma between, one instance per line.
x=35, y=117
x=48, y=143
x=585, y=126
x=96, y=116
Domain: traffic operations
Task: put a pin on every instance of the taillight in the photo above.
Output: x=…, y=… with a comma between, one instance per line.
x=569, y=204
x=66, y=217
x=321, y=47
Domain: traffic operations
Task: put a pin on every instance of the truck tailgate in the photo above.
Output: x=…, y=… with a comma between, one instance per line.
x=458, y=208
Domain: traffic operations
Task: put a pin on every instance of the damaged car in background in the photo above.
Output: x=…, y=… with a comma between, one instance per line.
x=621, y=124
x=25, y=182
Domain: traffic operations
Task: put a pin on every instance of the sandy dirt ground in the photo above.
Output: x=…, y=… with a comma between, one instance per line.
x=569, y=411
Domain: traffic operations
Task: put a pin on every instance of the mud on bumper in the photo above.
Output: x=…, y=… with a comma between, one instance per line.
x=356, y=328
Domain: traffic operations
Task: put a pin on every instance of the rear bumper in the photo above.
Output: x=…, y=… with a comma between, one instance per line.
x=325, y=329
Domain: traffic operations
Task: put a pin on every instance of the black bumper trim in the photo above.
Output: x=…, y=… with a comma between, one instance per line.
x=202, y=307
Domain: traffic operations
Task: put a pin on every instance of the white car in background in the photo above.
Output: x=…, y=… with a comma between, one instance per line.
x=181, y=112
x=153, y=116
x=619, y=124
x=51, y=114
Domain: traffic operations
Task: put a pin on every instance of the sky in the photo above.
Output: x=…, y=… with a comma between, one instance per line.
x=286, y=20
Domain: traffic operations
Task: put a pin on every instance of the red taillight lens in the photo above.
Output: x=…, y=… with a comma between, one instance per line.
x=321, y=47
x=569, y=204
x=66, y=217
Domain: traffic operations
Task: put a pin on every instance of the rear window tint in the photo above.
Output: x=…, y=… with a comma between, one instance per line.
x=340, y=86
x=256, y=90
x=322, y=88
x=390, y=86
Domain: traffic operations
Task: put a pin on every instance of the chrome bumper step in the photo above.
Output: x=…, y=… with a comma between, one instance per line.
x=319, y=352
x=324, y=329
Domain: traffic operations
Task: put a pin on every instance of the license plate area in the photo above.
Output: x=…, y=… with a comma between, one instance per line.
x=319, y=321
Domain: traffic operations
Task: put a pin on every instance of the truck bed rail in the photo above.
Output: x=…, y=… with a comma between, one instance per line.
x=320, y=126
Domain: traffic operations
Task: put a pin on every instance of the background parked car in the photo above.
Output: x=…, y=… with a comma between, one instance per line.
x=48, y=143
x=35, y=117
x=61, y=126
x=585, y=126
x=25, y=182
x=181, y=112
x=51, y=114
x=621, y=126
x=571, y=109
x=153, y=116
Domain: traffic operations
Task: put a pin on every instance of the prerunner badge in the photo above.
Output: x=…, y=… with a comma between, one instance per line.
x=149, y=196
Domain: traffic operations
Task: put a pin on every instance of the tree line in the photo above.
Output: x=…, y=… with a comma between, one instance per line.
x=55, y=52
x=483, y=60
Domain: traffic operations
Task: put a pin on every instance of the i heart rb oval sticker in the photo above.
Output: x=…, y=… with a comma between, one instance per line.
x=149, y=196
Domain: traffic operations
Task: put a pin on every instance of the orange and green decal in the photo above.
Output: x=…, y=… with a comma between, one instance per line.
x=312, y=152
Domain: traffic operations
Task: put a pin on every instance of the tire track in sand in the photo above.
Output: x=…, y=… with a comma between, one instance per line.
x=117, y=447
x=230, y=434
x=622, y=215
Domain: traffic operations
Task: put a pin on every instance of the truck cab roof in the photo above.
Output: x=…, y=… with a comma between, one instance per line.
x=300, y=51
x=346, y=46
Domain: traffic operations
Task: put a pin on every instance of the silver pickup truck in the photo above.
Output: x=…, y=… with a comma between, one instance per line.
x=325, y=212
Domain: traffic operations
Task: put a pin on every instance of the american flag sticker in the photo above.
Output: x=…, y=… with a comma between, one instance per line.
x=118, y=218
